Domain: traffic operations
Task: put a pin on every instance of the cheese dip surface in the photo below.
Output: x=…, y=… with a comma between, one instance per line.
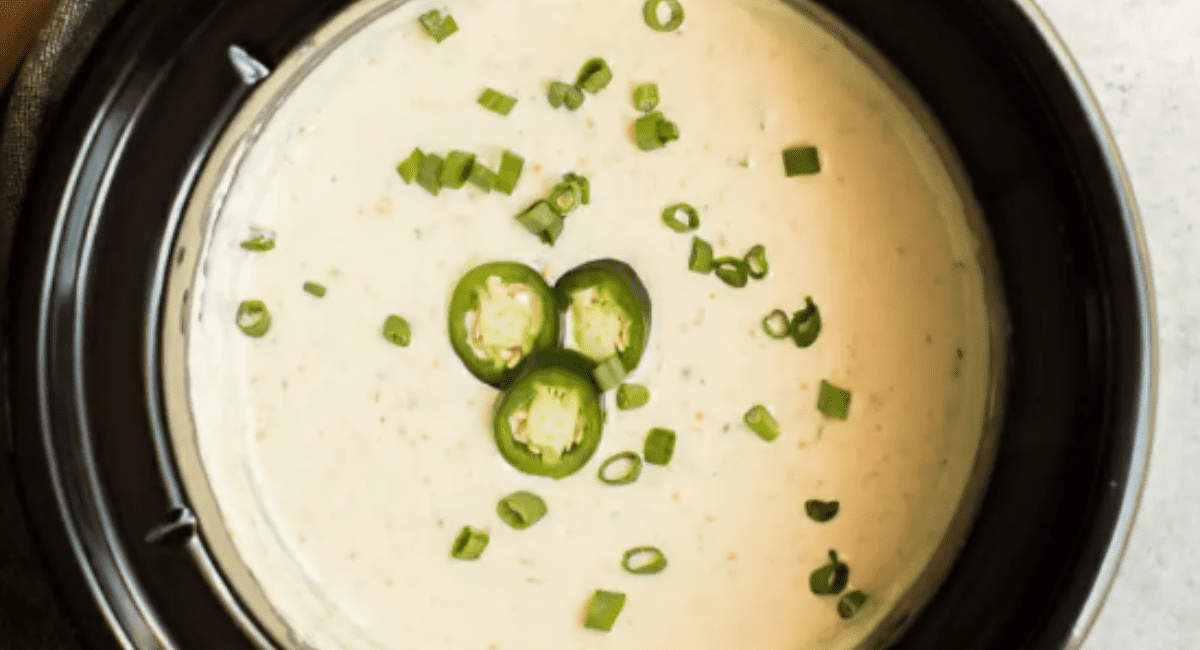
x=341, y=466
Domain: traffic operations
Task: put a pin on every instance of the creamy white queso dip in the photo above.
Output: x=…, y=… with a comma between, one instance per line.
x=340, y=467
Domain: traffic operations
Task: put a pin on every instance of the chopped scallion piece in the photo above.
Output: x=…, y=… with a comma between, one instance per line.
x=565, y=197
x=799, y=161
x=650, y=13
x=411, y=166
x=761, y=422
x=259, y=241
x=821, y=511
x=834, y=402
x=777, y=325
x=469, y=544
x=437, y=26
x=609, y=373
x=733, y=271
x=632, y=396
x=603, y=610
x=644, y=560
x=645, y=97
x=582, y=184
x=457, y=169
x=497, y=102
x=659, y=446
x=521, y=509
x=430, y=173
x=397, y=331
x=756, y=262
x=315, y=289
x=806, y=324
x=253, y=318
x=849, y=604
x=574, y=98
x=557, y=93
x=541, y=220
x=594, y=76
x=510, y=172
x=482, y=177
x=830, y=579
x=668, y=131
x=633, y=468
x=701, y=259
x=670, y=217
x=645, y=131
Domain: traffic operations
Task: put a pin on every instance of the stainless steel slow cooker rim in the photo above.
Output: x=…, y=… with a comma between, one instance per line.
x=1148, y=395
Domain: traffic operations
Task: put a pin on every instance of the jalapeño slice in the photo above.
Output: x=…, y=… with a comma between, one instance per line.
x=500, y=313
x=607, y=311
x=548, y=422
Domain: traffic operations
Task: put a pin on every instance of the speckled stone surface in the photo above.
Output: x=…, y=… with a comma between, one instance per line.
x=1141, y=58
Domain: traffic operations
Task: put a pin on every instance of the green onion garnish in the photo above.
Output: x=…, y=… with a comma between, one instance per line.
x=260, y=242
x=701, y=259
x=668, y=131
x=469, y=544
x=733, y=271
x=437, y=26
x=510, y=172
x=315, y=289
x=411, y=166
x=777, y=325
x=830, y=579
x=850, y=603
x=429, y=176
x=632, y=396
x=521, y=509
x=670, y=217
x=646, y=131
x=609, y=373
x=565, y=197
x=397, y=331
x=557, y=93
x=603, y=610
x=497, y=102
x=833, y=401
x=633, y=468
x=582, y=184
x=650, y=13
x=806, y=324
x=821, y=511
x=645, y=97
x=253, y=318
x=760, y=421
x=756, y=262
x=482, y=177
x=574, y=97
x=594, y=75
x=799, y=161
x=456, y=170
x=644, y=560
x=541, y=220
x=659, y=446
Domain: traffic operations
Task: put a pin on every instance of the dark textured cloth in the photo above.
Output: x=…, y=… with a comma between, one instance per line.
x=31, y=617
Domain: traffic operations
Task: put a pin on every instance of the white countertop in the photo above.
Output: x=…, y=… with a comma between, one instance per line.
x=1141, y=58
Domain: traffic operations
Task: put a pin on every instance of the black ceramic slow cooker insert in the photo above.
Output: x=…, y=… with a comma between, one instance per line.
x=144, y=110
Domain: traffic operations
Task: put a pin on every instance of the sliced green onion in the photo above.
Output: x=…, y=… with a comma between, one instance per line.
x=574, y=98
x=457, y=169
x=833, y=401
x=497, y=102
x=777, y=325
x=469, y=544
x=437, y=26
x=830, y=579
x=644, y=560
x=565, y=197
x=582, y=184
x=650, y=13
x=541, y=220
x=603, y=610
x=557, y=93
x=733, y=271
x=482, y=177
x=701, y=259
x=850, y=603
x=521, y=509
x=821, y=511
x=806, y=324
x=397, y=331
x=645, y=97
x=260, y=242
x=609, y=373
x=760, y=421
x=799, y=161
x=315, y=289
x=668, y=131
x=659, y=446
x=430, y=174
x=253, y=318
x=645, y=131
x=510, y=172
x=631, y=473
x=670, y=217
x=756, y=262
x=632, y=396
x=411, y=166
x=594, y=75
